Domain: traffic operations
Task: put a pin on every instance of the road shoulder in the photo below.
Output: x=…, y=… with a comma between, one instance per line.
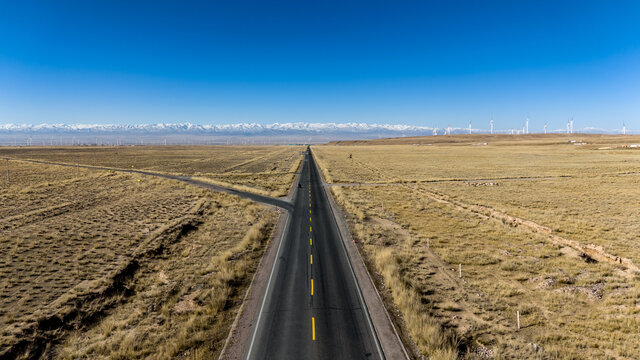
x=240, y=333
x=392, y=346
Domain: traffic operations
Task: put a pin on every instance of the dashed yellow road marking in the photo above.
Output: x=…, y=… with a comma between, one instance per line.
x=311, y=287
x=310, y=229
x=311, y=259
x=313, y=328
x=310, y=241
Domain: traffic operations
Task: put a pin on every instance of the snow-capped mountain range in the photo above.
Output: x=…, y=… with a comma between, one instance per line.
x=242, y=133
x=230, y=129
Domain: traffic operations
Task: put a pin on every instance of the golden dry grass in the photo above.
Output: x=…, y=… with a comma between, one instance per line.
x=185, y=302
x=263, y=169
x=423, y=210
x=79, y=246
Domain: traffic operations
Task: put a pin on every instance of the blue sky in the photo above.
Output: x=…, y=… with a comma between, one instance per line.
x=399, y=62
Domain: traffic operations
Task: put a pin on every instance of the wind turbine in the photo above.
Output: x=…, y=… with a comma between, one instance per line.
x=491, y=125
x=527, y=125
x=624, y=129
x=545, y=128
x=469, y=126
x=571, y=124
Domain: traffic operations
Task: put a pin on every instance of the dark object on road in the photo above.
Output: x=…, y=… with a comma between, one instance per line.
x=299, y=185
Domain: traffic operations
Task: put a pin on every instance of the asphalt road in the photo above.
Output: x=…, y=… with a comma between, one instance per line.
x=312, y=308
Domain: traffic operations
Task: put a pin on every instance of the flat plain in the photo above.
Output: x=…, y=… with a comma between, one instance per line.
x=268, y=170
x=543, y=226
x=108, y=264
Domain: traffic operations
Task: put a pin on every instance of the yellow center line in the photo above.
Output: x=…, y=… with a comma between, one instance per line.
x=313, y=328
x=310, y=229
x=311, y=259
x=311, y=287
x=310, y=241
x=309, y=218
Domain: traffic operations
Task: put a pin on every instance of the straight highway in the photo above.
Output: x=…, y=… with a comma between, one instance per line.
x=312, y=307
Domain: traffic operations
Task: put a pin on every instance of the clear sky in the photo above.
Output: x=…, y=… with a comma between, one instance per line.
x=399, y=62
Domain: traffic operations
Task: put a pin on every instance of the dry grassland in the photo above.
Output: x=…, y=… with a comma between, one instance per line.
x=119, y=265
x=268, y=170
x=544, y=227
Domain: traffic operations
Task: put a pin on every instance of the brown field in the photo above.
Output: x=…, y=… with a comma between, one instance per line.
x=538, y=225
x=102, y=264
x=267, y=170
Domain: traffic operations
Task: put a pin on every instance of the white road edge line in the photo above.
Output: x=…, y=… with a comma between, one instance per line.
x=235, y=321
x=266, y=293
x=353, y=274
x=292, y=195
x=403, y=347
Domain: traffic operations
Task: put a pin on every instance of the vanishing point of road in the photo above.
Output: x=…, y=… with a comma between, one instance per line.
x=312, y=307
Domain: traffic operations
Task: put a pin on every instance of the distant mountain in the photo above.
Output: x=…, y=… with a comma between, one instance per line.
x=242, y=133
x=298, y=128
x=187, y=133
